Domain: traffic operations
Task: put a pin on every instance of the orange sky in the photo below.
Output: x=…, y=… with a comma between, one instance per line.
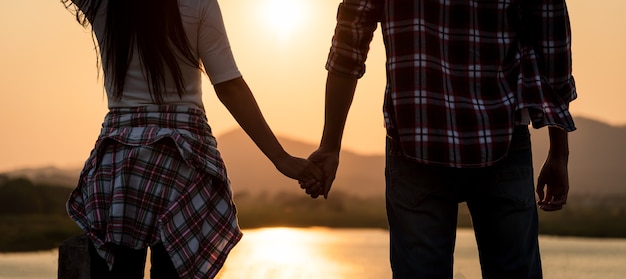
x=52, y=103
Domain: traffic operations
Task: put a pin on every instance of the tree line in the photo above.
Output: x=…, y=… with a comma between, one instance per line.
x=20, y=196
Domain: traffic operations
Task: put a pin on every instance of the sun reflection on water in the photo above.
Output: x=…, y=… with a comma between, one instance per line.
x=281, y=253
x=282, y=246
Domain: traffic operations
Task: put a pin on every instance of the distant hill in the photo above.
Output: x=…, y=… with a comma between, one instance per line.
x=597, y=167
x=48, y=175
x=597, y=164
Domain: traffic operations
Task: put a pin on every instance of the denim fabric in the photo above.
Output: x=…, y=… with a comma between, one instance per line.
x=422, y=209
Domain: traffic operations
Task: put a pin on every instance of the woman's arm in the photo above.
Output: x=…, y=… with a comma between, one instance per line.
x=240, y=102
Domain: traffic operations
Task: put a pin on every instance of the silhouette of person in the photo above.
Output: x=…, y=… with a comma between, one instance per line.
x=155, y=177
x=464, y=81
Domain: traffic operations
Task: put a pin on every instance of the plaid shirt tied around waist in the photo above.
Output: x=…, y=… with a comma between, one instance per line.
x=155, y=175
x=459, y=73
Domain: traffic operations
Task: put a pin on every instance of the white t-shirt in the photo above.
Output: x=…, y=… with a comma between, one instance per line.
x=204, y=27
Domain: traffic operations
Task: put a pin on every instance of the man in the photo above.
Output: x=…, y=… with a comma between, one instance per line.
x=464, y=81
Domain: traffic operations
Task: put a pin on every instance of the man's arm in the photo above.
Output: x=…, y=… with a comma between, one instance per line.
x=339, y=94
x=548, y=30
x=553, y=181
x=356, y=22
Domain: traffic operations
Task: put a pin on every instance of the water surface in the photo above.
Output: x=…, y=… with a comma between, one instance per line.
x=312, y=253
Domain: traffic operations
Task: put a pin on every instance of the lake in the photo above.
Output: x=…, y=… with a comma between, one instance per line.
x=311, y=253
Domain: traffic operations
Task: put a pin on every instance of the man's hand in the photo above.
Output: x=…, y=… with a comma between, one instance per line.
x=553, y=185
x=553, y=181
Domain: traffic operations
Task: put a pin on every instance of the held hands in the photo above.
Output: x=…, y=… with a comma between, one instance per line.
x=302, y=170
x=328, y=161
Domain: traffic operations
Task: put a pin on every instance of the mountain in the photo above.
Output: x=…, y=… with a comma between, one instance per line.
x=597, y=168
x=596, y=165
x=48, y=175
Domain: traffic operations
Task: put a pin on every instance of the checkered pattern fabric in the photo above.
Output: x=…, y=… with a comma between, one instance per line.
x=155, y=175
x=460, y=72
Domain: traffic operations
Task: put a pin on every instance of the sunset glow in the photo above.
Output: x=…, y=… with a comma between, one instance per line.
x=52, y=103
x=284, y=17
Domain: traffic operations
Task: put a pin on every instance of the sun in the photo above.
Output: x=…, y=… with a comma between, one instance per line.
x=283, y=17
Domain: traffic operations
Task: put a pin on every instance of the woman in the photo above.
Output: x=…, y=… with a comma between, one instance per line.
x=155, y=177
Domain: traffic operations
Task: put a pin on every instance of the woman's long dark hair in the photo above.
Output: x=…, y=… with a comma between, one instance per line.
x=154, y=27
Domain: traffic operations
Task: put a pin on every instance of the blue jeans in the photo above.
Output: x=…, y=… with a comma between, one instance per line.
x=422, y=210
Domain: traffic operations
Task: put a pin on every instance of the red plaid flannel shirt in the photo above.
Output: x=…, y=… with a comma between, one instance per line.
x=460, y=72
